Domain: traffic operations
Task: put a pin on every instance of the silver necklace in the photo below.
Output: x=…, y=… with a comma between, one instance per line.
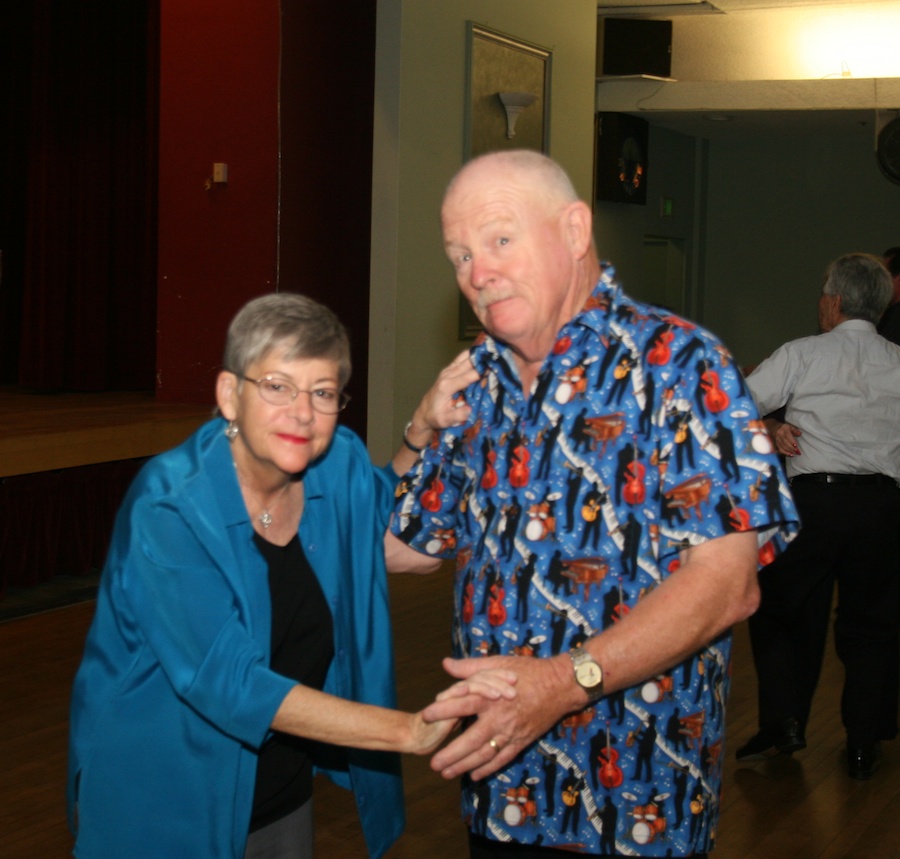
x=265, y=518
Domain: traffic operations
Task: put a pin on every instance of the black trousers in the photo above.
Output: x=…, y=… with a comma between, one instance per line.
x=850, y=535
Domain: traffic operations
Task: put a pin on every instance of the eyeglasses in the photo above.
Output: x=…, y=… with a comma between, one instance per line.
x=278, y=392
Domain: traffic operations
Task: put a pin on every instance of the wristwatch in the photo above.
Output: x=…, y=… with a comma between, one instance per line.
x=588, y=673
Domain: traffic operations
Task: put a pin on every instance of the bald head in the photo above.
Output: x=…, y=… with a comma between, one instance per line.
x=541, y=174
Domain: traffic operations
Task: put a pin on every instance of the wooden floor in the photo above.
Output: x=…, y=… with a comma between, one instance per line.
x=804, y=806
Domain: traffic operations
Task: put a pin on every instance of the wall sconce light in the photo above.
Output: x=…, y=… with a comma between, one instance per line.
x=514, y=103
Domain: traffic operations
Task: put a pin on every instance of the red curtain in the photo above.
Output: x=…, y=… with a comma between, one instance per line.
x=78, y=298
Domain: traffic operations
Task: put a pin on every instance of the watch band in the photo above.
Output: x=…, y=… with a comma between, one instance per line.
x=588, y=673
x=408, y=443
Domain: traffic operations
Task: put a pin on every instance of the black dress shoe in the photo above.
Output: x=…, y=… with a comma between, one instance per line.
x=863, y=761
x=783, y=738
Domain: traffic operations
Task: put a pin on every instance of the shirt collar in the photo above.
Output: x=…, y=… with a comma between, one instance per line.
x=855, y=325
x=594, y=315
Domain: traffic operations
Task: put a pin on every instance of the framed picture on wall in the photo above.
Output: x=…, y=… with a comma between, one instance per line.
x=621, y=158
x=507, y=107
x=507, y=93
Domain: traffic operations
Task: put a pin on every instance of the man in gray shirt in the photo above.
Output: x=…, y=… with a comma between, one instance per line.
x=841, y=438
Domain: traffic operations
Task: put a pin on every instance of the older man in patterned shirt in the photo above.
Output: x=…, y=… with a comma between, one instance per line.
x=648, y=603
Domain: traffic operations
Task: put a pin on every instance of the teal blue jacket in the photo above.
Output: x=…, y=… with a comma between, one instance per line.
x=174, y=695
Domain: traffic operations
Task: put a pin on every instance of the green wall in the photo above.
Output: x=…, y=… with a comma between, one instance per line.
x=419, y=145
x=780, y=209
x=761, y=218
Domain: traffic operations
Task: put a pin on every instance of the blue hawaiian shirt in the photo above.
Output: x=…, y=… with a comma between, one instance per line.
x=562, y=508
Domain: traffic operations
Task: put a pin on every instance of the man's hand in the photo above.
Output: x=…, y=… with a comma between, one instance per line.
x=545, y=692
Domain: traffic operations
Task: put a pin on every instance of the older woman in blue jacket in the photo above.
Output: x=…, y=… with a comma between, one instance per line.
x=241, y=637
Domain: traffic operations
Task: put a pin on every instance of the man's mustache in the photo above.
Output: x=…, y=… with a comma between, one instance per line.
x=485, y=299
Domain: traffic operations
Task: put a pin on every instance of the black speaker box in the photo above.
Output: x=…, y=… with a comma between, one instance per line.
x=634, y=46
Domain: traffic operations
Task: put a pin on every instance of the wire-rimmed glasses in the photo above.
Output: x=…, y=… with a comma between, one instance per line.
x=280, y=392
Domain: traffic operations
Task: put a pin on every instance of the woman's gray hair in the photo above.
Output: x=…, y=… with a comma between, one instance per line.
x=303, y=328
x=862, y=282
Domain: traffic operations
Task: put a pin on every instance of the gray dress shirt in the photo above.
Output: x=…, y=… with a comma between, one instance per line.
x=842, y=390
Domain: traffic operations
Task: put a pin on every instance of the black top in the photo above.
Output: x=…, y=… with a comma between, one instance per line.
x=302, y=649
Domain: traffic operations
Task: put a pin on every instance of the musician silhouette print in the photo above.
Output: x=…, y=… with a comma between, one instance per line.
x=591, y=506
x=523, y=576
x=724, y=439
x=572, y=786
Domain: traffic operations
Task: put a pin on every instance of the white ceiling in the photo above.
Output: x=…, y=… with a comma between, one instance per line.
x=745, y=122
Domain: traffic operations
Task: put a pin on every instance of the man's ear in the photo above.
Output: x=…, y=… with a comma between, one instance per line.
x=226, y=394
x=579, y=225
x=838, y=308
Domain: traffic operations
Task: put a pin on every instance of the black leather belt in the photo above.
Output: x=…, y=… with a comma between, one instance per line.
x=858, y=479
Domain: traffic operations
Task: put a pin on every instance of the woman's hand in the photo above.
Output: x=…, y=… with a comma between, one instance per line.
x=425, y=737
x=493, y=685
x=784, y=436
x=443, y=405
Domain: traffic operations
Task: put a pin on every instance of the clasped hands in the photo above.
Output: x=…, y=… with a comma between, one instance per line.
x=515, y=700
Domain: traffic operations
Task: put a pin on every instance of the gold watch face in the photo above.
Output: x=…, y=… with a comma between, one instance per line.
x=588, y=674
